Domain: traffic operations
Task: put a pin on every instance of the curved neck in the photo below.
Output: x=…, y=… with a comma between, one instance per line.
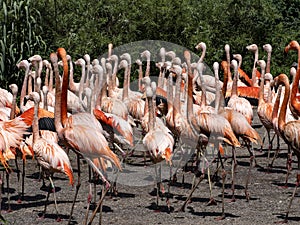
x=202, y=55
x=71, y=78
x=282, y=113
x=294, y=102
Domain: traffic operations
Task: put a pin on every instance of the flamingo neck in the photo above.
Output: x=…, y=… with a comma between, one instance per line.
x=276, y=107
x=234, y=84
x=23, y=90
x=254, y=68
x=268, y=67
x=35, y=125
x=114, y=75
x=64, y=90
x=51, y=80
x=176, y=99
x=282, y=113
x=57, y=109
x=140, y=77
x=125, y=84
x=82, y=80
x=151, y=113
x=147, y=73
x=296, y=83
x=262, y=85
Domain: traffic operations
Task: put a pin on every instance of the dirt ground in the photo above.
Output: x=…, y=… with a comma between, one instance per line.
x=136, y=203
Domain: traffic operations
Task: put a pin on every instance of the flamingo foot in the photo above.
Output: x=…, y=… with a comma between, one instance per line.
x=232, y=199
x=247, y=196
x=283, y=221
x=42, y=217
x=220, y=218
x=211, y=202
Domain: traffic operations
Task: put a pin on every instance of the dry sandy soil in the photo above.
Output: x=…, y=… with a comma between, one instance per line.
x=136, y=203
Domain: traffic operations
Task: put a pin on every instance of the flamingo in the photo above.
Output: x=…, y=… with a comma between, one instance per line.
x=49, y=154
x=242, y=73
x=289, y=130
x=241, y=128
x=264, y=109
x=253, y=48
x=82, y=132
x=135, y=105
x=146, y=54
x=74, y=87
x=158, y=143
x=294, y=100
x=11, y=137
x=268, y=49
x=207, y=125
x=237, y=103
x=109, y=104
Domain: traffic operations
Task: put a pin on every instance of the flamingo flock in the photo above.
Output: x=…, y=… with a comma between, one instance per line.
x=97, y=117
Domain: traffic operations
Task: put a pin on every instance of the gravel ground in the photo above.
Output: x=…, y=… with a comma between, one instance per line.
x=136, y=203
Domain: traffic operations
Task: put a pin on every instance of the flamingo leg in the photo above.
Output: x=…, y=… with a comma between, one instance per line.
x=263, y=140
x=98, y=206
x=211, y=200
x=252, y=158
x=233, y=171
x=54, y=195
x=223, y=187
x=201, y=178
x=46, y=201
x=23, y=179
x=269, y=150
x=8, y=194
x=277, y=151
x=88, y=204
x=77, y=188
x=288, y=165
x=291, y=201
x=18, y=178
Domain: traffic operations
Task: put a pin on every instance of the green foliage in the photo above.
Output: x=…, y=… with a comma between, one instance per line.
x=20, y=37
x=83, y=26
